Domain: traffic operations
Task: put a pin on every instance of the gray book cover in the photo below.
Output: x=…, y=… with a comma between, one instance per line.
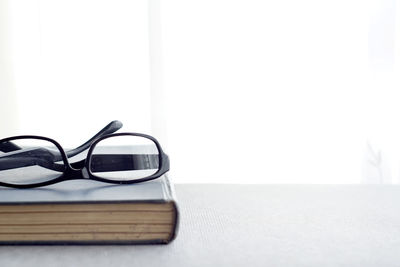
x=86, y=190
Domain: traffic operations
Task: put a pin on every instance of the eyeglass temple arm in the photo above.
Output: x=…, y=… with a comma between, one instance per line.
x=110, y=128
x=38, y=156
x=8, y=147
x=123, y=162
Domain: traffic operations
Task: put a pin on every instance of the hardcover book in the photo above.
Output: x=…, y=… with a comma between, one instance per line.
x=89, y=212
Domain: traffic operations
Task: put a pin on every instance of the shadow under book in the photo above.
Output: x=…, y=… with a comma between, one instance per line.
x=89, y=212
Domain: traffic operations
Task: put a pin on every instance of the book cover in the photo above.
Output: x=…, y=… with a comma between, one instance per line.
x=90, y=212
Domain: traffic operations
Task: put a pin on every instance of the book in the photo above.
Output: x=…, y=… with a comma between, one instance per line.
x=90, y=212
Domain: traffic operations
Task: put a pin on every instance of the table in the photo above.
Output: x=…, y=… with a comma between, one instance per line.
x=255, y=225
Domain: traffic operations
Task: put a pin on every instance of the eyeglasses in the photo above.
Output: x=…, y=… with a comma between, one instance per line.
x=120, y=158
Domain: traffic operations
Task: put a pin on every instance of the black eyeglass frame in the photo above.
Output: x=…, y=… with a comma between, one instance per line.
x=83, y=171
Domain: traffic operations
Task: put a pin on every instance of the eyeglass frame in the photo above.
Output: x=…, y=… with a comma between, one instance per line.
x=71, y=173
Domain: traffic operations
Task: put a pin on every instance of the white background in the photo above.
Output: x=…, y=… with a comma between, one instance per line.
x=282, y=91
x=236, y=91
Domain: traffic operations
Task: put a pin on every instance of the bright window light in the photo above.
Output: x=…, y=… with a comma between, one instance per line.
x=237, y=91
x=279, y=91
x=79, y=65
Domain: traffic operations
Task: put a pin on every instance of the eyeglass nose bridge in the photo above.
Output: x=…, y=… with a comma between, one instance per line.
x=76, y=173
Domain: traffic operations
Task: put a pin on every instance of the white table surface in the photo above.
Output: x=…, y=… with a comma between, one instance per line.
x=255, y=225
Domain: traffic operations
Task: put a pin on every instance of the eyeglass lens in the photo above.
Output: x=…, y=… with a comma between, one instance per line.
x=124, y=157
x=34, y=161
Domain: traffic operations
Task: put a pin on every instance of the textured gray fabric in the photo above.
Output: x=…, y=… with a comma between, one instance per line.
x=255, y=225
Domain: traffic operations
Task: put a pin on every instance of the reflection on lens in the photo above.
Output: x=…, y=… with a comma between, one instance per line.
x=124, y=158
x=30, y=161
